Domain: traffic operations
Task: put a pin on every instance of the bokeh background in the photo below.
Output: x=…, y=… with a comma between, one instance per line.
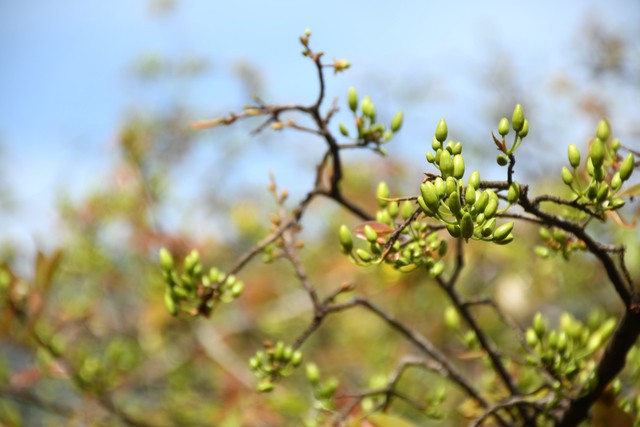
x=97, y=157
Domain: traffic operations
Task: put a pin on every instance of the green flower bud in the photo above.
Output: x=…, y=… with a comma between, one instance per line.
x=542, y=252
x=525, y=129
x=278, y=351
x=441, y=131
x=616, y=182
x=452, y=318
x=458, y=166
x=599, y=173
x=254, y=364
x=346, y=241
x=567, y=176
x=453, y=230
x=313, y=373
x=466, y=226
x=502, y=232
x=437, y=269
x=457, y=148
x=597, y=152
x=492, y=207
x=503, y=126
x=370, y=234
x=627, y=167
x=296, y=358
x=169, y=302
x=236, y=289
x=382, y=193
x=616, y=203
x=603, y=192
x=474, y=179
x=482, y=201
x=440, y=186
x=430, y=197
x=435, y=144
x=394, y=209
x=514, y=192
x=451, y=185
x=430, y=157
x=396, y=123
x=368, y=109
x=574, y=156
x=343, y=129
x=449, y=147
x=470, y=195
x=166, y=260
x=615, y=144
x=539, y=324
x=592, y=190
x=603, y=130
x=454, y=204
x=446, y=164
x=363, y=255
x=406, y=210
x=502, y=160
x=424, y=207
x=265, y=386
x=353, y=99
x=531, y=337
x=517, y=120
x=488, y=228
x=504, y=241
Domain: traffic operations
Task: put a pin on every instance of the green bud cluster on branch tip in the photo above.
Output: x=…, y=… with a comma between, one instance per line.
x=370, y=131
x=567, y=351
x=273, y=363
x=184, y=289
x=606, y=174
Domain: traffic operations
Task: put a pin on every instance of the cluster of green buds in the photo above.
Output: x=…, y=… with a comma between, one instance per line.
x=273, y=363
x=466, y=210
x=520, y=126
x=567, y=351
x=606, y=171
x=558, y=241
x=369, y=130
x=418, y=244
x=323, y=391
x=185, y=288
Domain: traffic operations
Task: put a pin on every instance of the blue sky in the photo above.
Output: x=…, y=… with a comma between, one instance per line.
x=65, y=81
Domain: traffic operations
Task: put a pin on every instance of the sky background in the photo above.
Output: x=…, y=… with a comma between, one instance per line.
x=67, y=76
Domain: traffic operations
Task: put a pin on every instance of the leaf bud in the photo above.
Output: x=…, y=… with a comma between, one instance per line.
x=574, y=155
x=603, y=131
x=627, y=167
x=458, y=166
x=441, y=131
x=166, y=260
x=567, y=176
x=346, y=241
x=597, y=152
x=396, y=123
x=353, y=99
x=517, y=120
